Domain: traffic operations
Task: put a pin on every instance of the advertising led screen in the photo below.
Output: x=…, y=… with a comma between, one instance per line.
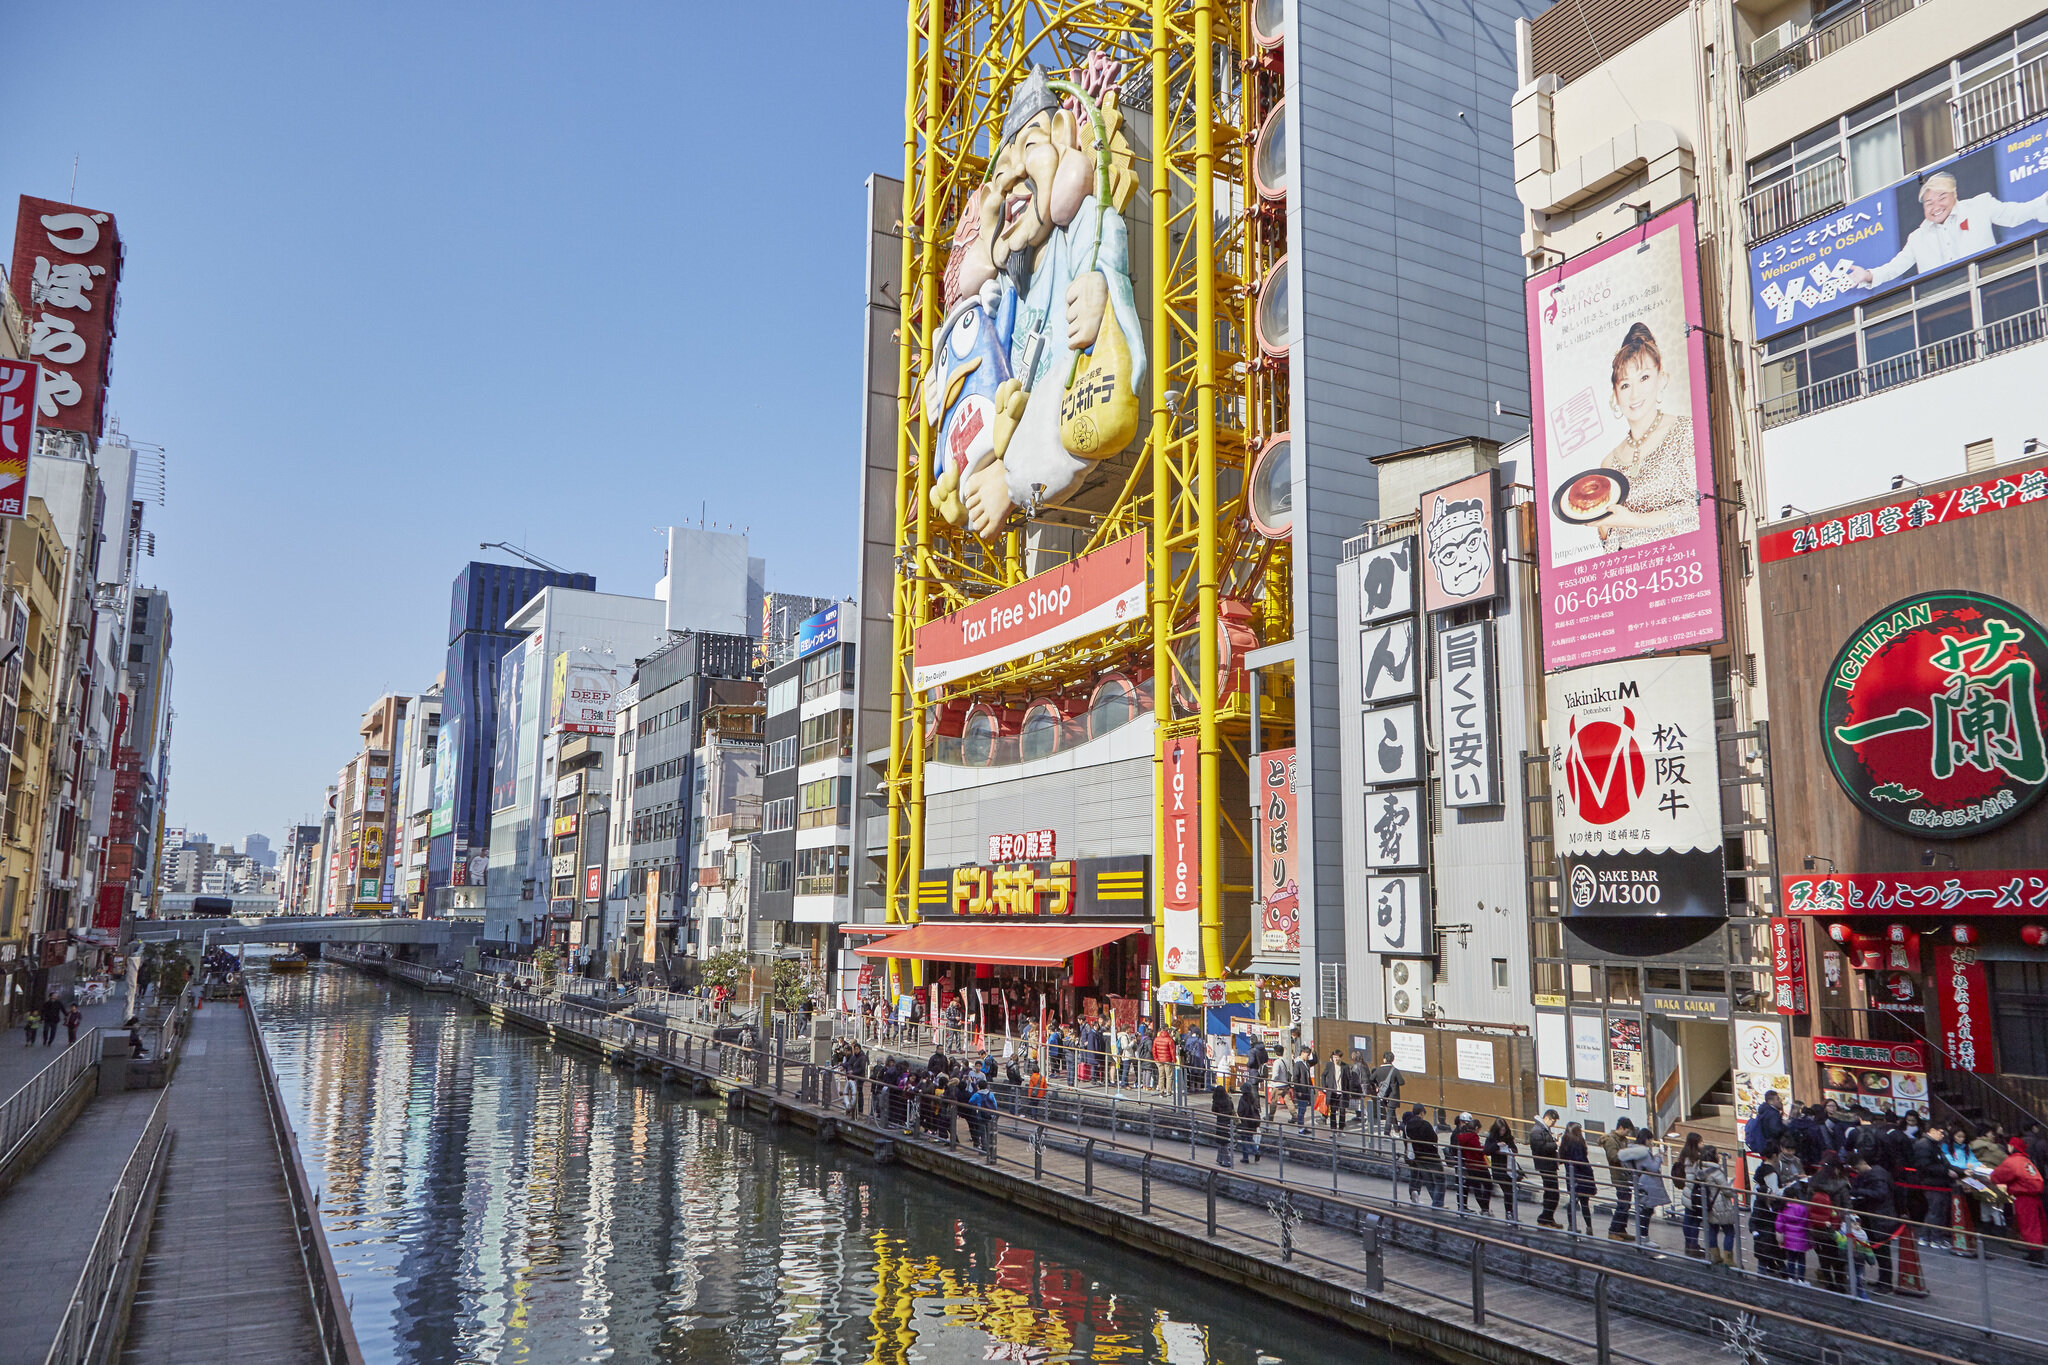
x=1941, y=214
x=1627, y=558
x=447, y=751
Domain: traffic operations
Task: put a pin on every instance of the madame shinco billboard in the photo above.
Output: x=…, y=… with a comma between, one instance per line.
x=1626, y=553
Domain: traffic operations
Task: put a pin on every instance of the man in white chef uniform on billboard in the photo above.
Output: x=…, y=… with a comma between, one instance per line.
x=1952, y=230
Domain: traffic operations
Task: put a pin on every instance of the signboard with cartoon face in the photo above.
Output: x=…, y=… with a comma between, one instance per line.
x=1461, y=542
x=1931, y=714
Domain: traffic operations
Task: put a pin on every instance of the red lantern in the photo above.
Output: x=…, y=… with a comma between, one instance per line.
x=2033, y=935
x=1839, y=932
x=1964, y=933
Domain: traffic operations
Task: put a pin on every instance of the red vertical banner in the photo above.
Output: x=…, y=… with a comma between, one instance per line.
x=67, y=267
x=1965, y=1001
x=17, y=433
x=1788, y=965
x=1180, y=803
x=1275, y=885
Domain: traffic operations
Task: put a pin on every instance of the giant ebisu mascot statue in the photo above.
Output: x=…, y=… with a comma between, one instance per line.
x=1035, y=371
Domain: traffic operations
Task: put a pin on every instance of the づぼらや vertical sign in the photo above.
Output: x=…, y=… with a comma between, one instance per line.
x=1180, y=793
x=67, y=268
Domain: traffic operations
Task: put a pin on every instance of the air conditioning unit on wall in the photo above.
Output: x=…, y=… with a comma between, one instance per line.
x=1770, y=44
x=1411, y=988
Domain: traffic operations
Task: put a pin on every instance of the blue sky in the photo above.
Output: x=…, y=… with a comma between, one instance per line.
x=401, y=279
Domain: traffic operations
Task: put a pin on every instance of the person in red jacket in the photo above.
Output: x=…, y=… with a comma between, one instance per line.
x=1164, y=1056
x=2019, y=1177
x=1473, y=1176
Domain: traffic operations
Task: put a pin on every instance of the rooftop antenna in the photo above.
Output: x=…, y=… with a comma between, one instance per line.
x=74, y=178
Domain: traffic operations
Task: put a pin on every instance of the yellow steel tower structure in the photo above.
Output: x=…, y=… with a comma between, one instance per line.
x=1203, y=243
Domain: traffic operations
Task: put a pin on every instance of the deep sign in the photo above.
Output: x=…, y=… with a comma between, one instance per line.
x=1932, y=714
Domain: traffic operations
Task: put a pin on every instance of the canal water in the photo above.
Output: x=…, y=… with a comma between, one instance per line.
x=491, y=1199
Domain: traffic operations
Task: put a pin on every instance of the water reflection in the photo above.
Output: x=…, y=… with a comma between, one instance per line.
x=490, y=1199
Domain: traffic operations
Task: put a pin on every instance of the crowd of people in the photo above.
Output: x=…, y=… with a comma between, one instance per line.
x=1839, y=1186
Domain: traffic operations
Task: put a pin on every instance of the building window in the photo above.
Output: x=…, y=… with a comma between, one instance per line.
x=978, y=741
x=777, y=876
x=1113, y=705
x=1041, y=730
x=827, y=736
x=778, y=815
x=821, y=871
x=1500, y=973
x=825, y=803
x=782, y=696
x=2019, y=1016
x=782, y=754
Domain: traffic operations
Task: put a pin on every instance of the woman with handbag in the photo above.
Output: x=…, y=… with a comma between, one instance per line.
x=1506, y=1162
x=1643, y=1157
x=1689, y=1193
x=1578, y=1175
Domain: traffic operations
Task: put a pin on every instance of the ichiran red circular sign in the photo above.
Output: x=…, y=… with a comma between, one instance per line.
x=1932, y=714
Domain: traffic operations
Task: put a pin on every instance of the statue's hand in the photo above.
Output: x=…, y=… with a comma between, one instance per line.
x=1087, y=298
x=1010, y=400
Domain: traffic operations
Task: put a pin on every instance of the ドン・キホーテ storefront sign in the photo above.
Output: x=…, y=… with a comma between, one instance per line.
x=1931, y=714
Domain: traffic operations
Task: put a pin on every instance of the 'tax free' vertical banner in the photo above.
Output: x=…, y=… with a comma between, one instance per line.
x=1181, y=886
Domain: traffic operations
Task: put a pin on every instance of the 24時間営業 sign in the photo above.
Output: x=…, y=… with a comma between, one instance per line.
x=1931, y=714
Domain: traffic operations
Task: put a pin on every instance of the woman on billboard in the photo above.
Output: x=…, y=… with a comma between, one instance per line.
x=1656, y=455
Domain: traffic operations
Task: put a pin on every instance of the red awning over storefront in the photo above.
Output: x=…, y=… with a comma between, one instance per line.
x=1009, y=945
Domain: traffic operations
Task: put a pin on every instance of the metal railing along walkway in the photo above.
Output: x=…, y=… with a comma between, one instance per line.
x=28, y=1106
x=97, y=1311
x=1374, y=1223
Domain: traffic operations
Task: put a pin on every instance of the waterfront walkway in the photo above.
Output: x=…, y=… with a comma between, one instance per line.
x=223, y=1280
x=49, y=1219
x=1552, y=1295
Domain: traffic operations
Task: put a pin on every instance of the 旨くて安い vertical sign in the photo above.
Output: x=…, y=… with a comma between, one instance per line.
x=1180, y=888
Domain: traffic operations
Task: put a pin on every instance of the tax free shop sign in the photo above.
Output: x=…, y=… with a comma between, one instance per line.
x=1086, y=596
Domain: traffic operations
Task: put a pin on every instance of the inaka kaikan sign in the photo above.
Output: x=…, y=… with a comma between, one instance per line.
x=67, y=267
x=1635, y=785
x=1932, y=714
x=1094, y=593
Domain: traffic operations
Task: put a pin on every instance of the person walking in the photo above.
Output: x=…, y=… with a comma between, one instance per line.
x=1334, y=1078
x=1689, y=1194
x=1162, y=1059
x=1623, y=1181
x=52, y=1014
x=1505, y=1161
x=73, y=1017
x=1304, y=1079
x=1934, y=1184
x=1225, y=1111
x=1875, y=1202
x=1425, y=1158
x=1248, y=1115
x=29, y=1022
x=1474, y=1177
x=2018, y=1177
x=1795, y=1234
x=1578, y=1175
x=1828, y=1193
x=1646, y=1160
x=1543, y=1151
x=1386, y=1095
x=1767, y=1190
x=1717, y=1206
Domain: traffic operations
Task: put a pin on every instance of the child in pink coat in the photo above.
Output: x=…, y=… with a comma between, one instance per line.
x=1794, y=1231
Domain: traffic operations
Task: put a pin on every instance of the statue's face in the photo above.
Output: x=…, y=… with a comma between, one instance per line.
x=1021, y=184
